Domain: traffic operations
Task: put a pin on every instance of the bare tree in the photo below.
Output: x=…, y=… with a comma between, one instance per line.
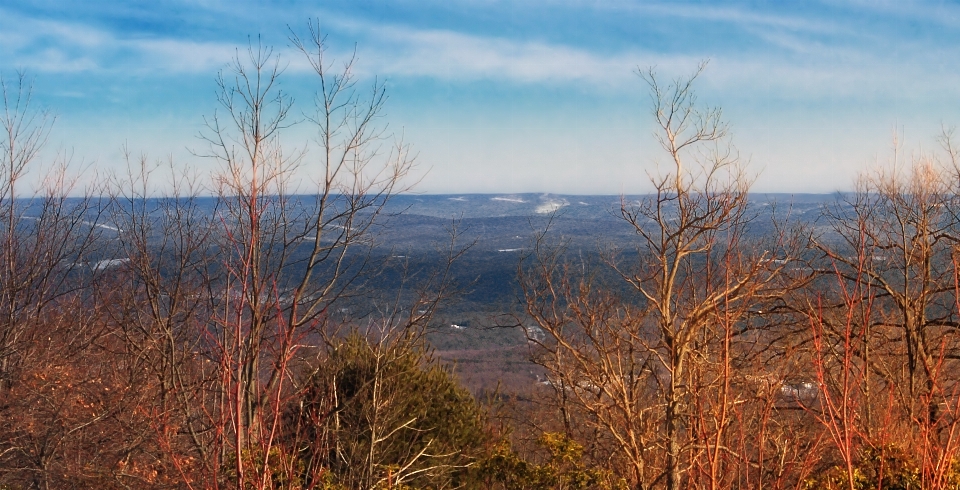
x=696, y=281
x=885, y=322
x=167, y=271
x=287, y=259
x=896, y=236
x=49, y=322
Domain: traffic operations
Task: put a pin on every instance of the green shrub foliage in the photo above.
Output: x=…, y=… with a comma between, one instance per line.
x=385, y=414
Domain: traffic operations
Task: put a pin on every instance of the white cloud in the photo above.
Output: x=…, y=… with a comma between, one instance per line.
x=450, y=55
x=737, y=16
x=796, y=56
x=813, y=67
x=184, y=56
x=64, y=47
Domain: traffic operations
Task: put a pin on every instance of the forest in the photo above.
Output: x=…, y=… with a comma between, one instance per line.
x=164, y=329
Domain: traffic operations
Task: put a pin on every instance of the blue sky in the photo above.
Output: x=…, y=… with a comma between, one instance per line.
x=521, y=96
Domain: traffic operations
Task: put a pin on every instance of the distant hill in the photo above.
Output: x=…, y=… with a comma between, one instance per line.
x=569, y=206
x=506, y=223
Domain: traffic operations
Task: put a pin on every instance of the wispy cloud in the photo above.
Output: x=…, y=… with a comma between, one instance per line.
x=450, y=55
x=396, y=50
x=738, y=15
x=795, y=53
x=831, y=50
x=388, y=50
x=60, y=46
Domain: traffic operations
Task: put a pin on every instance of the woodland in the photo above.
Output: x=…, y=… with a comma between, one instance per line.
x=232, y=333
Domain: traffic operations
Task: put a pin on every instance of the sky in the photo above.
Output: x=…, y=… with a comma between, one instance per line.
x=511, y=96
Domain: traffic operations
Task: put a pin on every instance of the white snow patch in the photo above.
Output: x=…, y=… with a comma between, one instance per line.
x=107, y=264
x=534, y=333
x=550, y=206
x=101, y=225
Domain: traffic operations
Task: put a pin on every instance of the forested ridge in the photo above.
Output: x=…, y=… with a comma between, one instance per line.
x=228, y=332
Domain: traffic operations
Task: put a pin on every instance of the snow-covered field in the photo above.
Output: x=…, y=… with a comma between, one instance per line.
x=550, y=206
